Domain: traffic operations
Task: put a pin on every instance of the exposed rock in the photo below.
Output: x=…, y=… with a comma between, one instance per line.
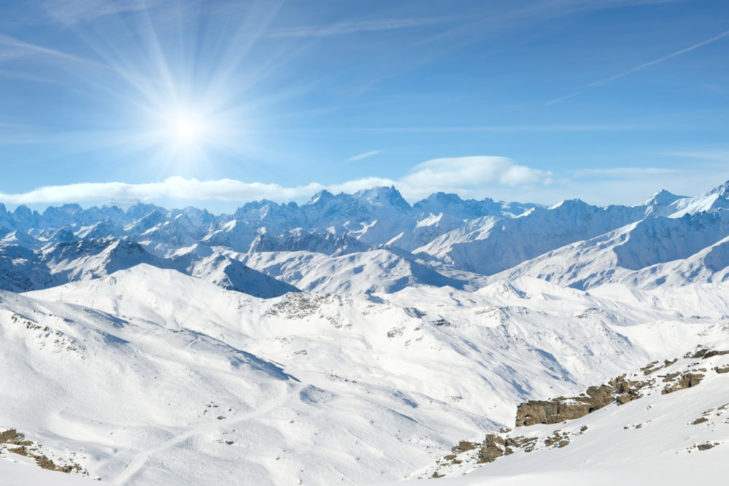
x=686, y=380
x=706, y=446
x=28, y=448
x=492, y=449
x=655, y=366
x=14, y=437
x=561, y=439
x=464, y=446
x=705, y=353
x=618, y=390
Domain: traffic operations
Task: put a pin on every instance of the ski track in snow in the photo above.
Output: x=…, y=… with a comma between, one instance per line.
x=140, y=459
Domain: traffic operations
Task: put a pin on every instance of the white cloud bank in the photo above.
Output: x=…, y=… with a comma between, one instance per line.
x=472, y=172
x=459, y=174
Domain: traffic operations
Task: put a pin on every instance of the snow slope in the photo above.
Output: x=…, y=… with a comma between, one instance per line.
x=353, y=339
x=674, y=438
x=317, y=389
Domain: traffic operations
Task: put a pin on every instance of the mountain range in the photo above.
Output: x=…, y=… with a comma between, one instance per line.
x=359, y=339
x=373, y=237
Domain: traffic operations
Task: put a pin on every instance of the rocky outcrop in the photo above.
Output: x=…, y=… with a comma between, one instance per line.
x=619, y=390
x=681, y=381
x=706, y=353
x=16, y=443
x=677, y=375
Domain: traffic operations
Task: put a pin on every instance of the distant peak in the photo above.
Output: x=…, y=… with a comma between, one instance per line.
x=383, y=195
x=321, y=197
x=722, y=190
x=445, y=197
x=570, y=203
x=662, y=198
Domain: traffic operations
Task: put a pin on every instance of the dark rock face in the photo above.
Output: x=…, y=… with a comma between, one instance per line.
x=560, y=409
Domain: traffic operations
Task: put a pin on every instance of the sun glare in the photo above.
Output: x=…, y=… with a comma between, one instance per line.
x=188, y=128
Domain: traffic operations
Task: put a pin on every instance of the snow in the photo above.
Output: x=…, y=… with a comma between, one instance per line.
x=651, y=440
x=20, y=472
x=370, y=383
x=356, y=338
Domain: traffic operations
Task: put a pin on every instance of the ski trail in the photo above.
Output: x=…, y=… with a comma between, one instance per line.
x=140, y=459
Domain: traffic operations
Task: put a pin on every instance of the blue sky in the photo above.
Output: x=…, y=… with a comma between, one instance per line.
x=211, y=103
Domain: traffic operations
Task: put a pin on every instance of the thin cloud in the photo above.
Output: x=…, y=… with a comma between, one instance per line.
x=12, y=48
x=71, y=12
x=624, y=171
x=451, y=174
x=502, y=128
x=344, y=28
x=610, y=79
x=709, y=155
x=171, y=188
x=363, y=156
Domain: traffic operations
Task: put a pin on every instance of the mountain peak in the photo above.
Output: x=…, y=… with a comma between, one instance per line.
x=722, y=190
x=444, y=198
x=570, y=204
x=662, y=198
x=383, y=196
x=23, y=211
x=320, y=197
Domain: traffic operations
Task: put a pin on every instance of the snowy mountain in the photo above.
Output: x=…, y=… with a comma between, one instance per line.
x=359, y=339
x=656, y=248
x=251, y=384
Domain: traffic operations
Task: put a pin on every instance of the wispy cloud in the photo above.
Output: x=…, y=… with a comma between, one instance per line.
x=352, y=27
x=448, y=174
x=712, y=155
x=365, y=155
x=503, y=128
x=70, y=12
x=12, y=48
x=624, y=172
x=622, y=74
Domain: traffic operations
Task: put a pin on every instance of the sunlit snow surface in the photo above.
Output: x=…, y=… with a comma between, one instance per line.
x=150, y=376
x=384, y=334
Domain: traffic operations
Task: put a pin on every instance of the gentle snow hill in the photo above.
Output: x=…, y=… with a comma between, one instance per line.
x=20, y=472
x=379, y=386
x=318, y=389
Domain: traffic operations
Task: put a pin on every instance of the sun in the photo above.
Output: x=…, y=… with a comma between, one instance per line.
x=187, y=128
